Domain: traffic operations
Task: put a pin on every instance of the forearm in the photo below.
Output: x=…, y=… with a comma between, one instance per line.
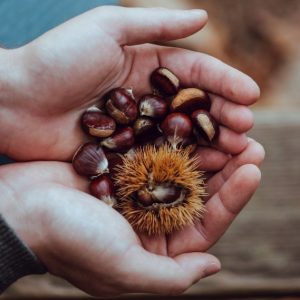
x=10, y=91
x=16, y=232
x=16, y=259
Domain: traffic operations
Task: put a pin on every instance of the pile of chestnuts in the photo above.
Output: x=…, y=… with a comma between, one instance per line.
x=170, y=115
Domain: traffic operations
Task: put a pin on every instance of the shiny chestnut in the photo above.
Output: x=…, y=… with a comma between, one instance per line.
x=102, y=188
x=164, y=81
x=159, y=194
x=121, y=140
x=190, y=99
x=98, y=124
x=90, y=160
x=145, y=128
x=167, y=193
x=153, y=106
x=205, y=125
x=176, y=127
x=121, y=106
x=115, y=160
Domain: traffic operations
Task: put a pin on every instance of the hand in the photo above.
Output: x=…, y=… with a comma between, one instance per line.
x=85, y=241
x=57, y=76
x=232, y=182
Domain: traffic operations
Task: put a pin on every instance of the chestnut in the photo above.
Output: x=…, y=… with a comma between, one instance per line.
x=97, y=123
x=144, y=127
x=144, y=197
x=176, y=127
x=205, y=125
x=90, y=160
x=159, y=194
x=121, y=140
x=121, y=106
x=102, y=188
x=164, y=81
x=190, y=99
x=153, y=106
x=114, y=160
x=159, y=141
x=167, y=194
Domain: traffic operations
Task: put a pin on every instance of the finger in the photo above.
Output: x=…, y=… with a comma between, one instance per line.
x=236, y=117
x=209, y=159
x=230, y=142
x=222, y=207
x=253, y=154
x=45, y=171
x=147, y=272
x=131, y=26
x=203, y=71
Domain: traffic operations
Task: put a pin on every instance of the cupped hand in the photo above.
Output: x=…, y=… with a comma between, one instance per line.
x=57, y=76
x=231, y=182
x=83, y=240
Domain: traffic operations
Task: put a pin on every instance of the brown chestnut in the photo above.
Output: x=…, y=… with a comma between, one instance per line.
x=205, y=124
x=176, y=128
x=144, y=196
x=159, y=141
x=121, y=106
x=153, y=106
x=97, y=123
x=190, y=99
x=159, y=194
x=102, y=188
x=164, y=81
x=167, y=194
x=90, y=160
x=114, y=160
x=144, y=126
x=121, y=140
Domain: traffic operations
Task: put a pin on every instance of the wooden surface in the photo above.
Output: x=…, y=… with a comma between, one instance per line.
x=260, y=253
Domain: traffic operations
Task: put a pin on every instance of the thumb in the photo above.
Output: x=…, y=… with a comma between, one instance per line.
x=129, y=26
x=148, y=272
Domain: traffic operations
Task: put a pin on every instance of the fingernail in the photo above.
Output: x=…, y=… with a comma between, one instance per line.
x=211, y=269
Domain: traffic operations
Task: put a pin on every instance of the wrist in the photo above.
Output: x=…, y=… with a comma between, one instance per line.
x=22, y=214
x=16, y=259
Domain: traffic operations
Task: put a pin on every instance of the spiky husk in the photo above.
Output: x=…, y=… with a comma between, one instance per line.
x=167, y=165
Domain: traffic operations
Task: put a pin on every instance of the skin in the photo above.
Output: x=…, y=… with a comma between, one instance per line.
x=54, y=79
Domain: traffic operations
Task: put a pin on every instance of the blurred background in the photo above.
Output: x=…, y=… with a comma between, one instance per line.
x=260, y=253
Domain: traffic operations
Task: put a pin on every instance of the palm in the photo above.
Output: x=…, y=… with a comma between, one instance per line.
x=232, y=184
x=61, y=190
